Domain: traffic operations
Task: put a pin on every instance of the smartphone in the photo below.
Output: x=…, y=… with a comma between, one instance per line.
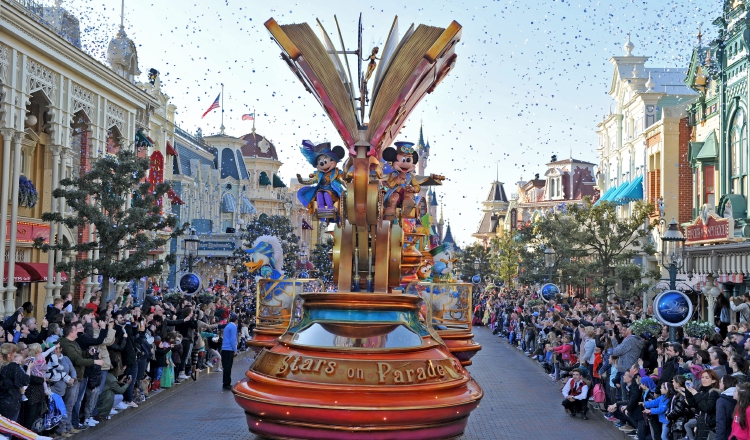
x=689, y=384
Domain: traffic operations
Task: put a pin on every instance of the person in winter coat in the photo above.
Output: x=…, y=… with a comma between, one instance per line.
x=704, y=401
x=93, y=391
x=107, y=397
x=725, y=407
x=678, y=410
x=54, y=309
x=741, y=420
x=12, y=378
x=566, y=351
x=628, y=351
x=647, y=390
x=658, y=407
x=672, y=353
x=587, y=350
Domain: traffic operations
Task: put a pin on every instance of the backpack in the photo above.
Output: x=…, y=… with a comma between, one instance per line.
x=599, y=395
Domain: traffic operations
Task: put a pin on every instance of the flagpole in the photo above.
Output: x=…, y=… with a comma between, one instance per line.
x=255, y=115
x=222, y=108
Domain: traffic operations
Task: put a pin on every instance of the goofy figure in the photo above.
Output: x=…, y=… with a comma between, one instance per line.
x=328, y=180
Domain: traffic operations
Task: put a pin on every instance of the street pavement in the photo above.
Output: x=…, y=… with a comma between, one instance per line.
x=520, y=402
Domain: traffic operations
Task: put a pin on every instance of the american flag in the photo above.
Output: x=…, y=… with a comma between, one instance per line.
x=215, y=105
x=248, y=117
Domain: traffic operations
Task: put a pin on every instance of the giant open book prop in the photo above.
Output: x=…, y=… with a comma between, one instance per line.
x=408, y=69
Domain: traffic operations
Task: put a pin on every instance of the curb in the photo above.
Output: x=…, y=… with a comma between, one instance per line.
x=94, y=432
x=592, y=412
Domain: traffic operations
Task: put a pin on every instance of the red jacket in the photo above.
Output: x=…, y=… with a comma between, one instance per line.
x=737, y=431
x=597, y=364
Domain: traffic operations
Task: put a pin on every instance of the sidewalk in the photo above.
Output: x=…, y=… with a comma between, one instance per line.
x=117, y=425
x=521, y=402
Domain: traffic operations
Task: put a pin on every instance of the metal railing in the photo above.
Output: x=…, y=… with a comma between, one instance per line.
x=57, y=20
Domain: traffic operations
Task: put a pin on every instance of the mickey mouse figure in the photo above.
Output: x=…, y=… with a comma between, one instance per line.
x=401, y=184
x=328, y=180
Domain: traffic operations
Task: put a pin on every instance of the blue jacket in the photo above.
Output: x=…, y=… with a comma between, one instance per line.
x=658, y=407
x=724, y=414
x=230, y=338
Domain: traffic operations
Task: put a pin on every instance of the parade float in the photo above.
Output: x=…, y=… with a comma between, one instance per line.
x=383, y=356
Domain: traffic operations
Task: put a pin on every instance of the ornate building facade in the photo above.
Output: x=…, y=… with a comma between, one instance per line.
x=644, y=140
x=719, y=152
x=565, y=181
x=60, y=109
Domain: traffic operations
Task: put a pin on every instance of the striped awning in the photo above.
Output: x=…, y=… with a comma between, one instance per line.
x=246, y=207
x=228, y=203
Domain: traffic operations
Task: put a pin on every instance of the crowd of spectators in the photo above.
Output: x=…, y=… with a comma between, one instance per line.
x=82, y=364
x=694, y=388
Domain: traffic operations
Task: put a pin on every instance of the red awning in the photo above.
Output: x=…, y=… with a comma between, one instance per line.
x=41, y=269
x=170, y=149
x=151, y=140
x=176, y=200
x=20, y=275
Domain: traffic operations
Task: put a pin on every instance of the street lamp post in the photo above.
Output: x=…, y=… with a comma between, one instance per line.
x=549, y=261
x=672, y=258
x=191, y=249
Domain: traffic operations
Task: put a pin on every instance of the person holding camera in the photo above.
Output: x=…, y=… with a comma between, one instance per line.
x=73, y=351
x=124, y=346
x=107, y=397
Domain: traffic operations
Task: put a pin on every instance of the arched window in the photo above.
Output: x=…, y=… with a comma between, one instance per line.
x=737, y=141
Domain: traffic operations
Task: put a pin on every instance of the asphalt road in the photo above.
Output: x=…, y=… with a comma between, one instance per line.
x=520, y=402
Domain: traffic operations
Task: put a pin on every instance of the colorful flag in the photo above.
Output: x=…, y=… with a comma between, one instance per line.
x=215, y=105
x=248, y=117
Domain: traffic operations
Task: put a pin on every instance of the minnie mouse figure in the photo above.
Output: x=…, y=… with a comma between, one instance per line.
x=401, y=184
x=329, y=180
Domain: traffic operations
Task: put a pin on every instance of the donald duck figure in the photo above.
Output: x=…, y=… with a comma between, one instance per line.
x=267, y=256
x=442, y=268
x=328, y=180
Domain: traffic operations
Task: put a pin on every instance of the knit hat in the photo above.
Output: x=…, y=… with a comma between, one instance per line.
x=649, y=383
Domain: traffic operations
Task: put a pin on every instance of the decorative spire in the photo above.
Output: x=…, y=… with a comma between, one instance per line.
x=629, y=46
x=700, y=34
x=441, y=212
x=650, y=83
x=421, y=135
x=122, y=16
x=122, y=54
x=708, y=61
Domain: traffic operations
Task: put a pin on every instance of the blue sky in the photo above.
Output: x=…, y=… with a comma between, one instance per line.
x=531, y=78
